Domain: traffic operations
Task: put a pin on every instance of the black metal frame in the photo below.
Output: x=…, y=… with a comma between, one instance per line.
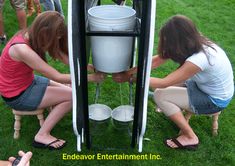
x=142, y=67
x=79, y=56
x=80, y=59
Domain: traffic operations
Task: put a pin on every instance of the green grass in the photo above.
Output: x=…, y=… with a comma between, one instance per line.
x=215, y=19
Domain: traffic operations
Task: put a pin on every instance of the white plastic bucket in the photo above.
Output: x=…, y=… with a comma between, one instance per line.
x=111, y=54
x=123, y=116
x=99, y=112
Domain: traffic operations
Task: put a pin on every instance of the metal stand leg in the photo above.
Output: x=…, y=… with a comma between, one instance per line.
x=78, y=143
x=131, y=93
x=97, y=92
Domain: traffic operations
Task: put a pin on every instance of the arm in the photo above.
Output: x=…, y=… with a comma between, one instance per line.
x=64, y=58
x=25, y=54
x=183, y=73
x=157, y=61
x=96, y=77
x=5, y=163
x=127, y=75
x=90, y=67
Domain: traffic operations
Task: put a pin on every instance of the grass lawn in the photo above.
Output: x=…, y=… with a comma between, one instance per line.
x=215, y=19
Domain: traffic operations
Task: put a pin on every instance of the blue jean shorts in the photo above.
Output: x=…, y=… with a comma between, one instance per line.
x=31, y=98
x=199, y=102
x=52, y=5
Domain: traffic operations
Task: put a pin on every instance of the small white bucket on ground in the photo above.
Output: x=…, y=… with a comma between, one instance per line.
x=99, y=112
x=123, y=116
x=111, y=54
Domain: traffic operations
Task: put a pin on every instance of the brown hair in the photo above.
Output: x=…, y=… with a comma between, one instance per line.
x=179, y=39
x=48, y=32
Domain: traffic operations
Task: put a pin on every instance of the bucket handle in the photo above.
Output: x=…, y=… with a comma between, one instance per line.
x=126, y=30
x=113, y=29
x=137, y=20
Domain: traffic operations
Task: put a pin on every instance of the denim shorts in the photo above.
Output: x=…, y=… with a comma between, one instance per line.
x=52, y=5
x=199, y=102
x=32, y=96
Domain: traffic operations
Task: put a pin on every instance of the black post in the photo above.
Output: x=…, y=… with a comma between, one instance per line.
x=142, y=67
x=80, y=47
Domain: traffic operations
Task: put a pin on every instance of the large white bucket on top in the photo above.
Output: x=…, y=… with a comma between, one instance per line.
x=111, y=54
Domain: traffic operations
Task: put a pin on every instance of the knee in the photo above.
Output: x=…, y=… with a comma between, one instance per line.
x=69, y=105
x=160, y=101
x=66, y=106
x=158, y=96
x=70, y=95
x=67, y=96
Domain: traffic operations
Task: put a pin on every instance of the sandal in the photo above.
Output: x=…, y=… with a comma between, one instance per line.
x=180, y=146
x=48, y=146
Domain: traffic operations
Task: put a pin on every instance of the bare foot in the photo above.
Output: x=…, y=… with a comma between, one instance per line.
x=47, y=139
x=180, y=133
x=183, y=140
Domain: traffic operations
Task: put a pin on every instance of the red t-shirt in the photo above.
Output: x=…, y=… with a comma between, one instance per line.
x=15, y=76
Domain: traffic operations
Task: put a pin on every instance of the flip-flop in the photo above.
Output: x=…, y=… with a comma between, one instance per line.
x=180, y=146
x=48, y=146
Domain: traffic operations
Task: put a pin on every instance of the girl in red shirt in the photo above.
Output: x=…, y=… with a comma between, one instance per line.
x=22, y=90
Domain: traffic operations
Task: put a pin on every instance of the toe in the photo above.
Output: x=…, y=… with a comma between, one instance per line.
x=171, y=144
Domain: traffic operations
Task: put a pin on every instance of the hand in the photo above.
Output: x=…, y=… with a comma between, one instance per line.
x=121, y=77
x=90, y=67
x=25, y=160
x=96, y=77
x=64, y=58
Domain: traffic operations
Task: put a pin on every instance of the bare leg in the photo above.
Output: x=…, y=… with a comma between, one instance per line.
x=171, y=101
x=30, y=8
x=21, y=16
x=187, y=137
x=53, y=83
x=61, y=99
x=38, y=7
x=187, y=116
x=1, y=25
